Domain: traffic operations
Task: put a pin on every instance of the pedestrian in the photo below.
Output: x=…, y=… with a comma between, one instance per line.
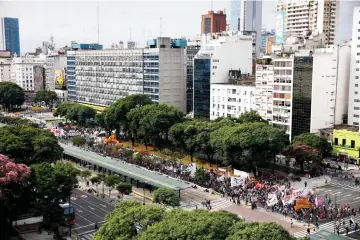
x=96, y=225
x=347, y=230
x=308, y=231
x=305, y=183
x=291, y=223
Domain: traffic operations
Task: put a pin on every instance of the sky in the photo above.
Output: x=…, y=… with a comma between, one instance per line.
x=119, y=20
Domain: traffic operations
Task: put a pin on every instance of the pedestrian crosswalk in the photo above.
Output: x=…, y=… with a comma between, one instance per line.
x=221, y=204
x=330, y=226
x=88, y=236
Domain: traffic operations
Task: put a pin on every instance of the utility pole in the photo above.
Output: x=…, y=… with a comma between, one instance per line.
x=70, y=214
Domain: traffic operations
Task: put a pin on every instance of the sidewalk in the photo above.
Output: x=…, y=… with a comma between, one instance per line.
x=312, y=182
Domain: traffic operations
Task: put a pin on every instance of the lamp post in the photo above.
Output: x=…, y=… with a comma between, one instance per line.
x=144, y=191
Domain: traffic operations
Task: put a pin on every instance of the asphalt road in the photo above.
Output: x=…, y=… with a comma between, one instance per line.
x=89, y=209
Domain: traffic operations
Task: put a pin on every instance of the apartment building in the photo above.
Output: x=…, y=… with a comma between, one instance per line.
x=49, y=73
x=306, y=17
x=192, y=49
x=103, y=76
x=234, y=98
x=5, y=66
x=354, y=89
x=330, y=86
x=264, y=88
x=70, y=75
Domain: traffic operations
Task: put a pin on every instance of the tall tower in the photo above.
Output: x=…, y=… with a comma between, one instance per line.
x=213, y=22
x=9, y=35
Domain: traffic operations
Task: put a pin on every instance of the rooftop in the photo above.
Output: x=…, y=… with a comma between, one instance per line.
x=130, y=170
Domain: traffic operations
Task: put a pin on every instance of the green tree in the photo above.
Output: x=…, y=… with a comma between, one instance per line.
x=250, y=117
x=95, y=180
x=48, y=97
x=302, y=153
x=249, y=145
x=53, y=185
x=29, y=145
x=11, y=95
x=201, y=177
x=128, y=220
x=199, y=224
x=80, y=113
x=256, y=231
x=314, y=141
x=124, y=188
x=62, y=110
x=86, y=174
x=111, y=181
x=167, y=197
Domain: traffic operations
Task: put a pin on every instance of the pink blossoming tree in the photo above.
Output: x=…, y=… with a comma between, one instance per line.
x=11, y=173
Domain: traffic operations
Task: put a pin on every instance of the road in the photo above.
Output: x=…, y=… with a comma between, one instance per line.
x=346, y=193
x=89, y=209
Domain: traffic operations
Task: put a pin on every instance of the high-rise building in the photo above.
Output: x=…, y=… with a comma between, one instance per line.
x=354, y=83
x=165, y=71
x=330, y=86
x=71, y=75
x=191, y=50
x=218, y=54
x=306, y=17
x=5, y=66
x=213, y=22
x=235, y=15
x=9, y=35
x=264, y=88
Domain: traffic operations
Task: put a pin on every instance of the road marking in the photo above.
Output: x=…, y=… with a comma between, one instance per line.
x=337, y=193
x=91, y=208
x=80, y=211
x=106, y=211
x=87, y=225
x=84, y=218
x=88, y=211
x=347, y=195
x=102, y=205
x=73, y=198
x=83, y=196
x=328, y=191
x=356, y=198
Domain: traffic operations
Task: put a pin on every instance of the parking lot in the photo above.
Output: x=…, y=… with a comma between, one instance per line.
x=89, y=210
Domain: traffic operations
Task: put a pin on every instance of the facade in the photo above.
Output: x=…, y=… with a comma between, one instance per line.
x=70, y=75
x=165, y=71
x=191, y=50
x=49, y=73
x=213, y=22
x=264, y=41
x=9, y=35
x=354, y=89
x=234, y=98
x=344, y=17
x=264, y=88
x=5, y=66
x=60, y=80
x=346, y=141
x=330, y=87
x=217, y=56
x=104, y=76
x=269, y=43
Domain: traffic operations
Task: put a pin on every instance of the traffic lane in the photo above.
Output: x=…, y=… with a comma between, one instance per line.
x=97, y=201
x=95, y=208
x=344, y=194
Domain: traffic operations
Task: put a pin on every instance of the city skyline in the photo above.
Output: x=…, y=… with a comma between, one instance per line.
x=58, y=19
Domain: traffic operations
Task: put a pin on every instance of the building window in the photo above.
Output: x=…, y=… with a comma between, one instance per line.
x=356, y=93
x=352, y=144
x=357, y=68
x=356, y=123
x=336, y=141
x=356, y=108
x=356, y=115
x=344, y=142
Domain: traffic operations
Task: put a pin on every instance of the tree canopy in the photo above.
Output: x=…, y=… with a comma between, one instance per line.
x=167, y=197
x=249, y=145
x=11, y=95
x=302, y=153
x=321, y=144
x=29, y=145
x=250, y=117
x=75, y=112
x=48, y=97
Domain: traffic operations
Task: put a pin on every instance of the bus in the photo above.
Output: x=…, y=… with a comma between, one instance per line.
x=69, y=214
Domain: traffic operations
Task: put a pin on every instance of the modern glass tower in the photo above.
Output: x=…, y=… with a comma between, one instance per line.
x=235, y=15
x=9, y=36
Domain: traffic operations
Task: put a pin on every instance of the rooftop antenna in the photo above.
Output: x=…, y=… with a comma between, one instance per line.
x=160, y=26
x=98, y=25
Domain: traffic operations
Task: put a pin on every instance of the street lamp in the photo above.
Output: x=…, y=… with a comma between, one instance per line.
x=144, y=191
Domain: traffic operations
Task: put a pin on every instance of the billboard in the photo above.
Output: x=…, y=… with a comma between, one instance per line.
x=280, y=27
x=5, y=54
x=39, y=83
x=60, y=82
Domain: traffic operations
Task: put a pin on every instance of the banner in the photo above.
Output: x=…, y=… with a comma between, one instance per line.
x=243, y=174
x=302, y=203
x=272, y=199
x=302, y=192
x=320, y=201
x=221, y=178
x=236, y=181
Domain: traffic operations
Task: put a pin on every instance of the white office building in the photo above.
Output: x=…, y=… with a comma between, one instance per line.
x=354, y=88
x=264, y=88
x=330, y=86
x=103, y=76
x=234, y=98
x=49, y=73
